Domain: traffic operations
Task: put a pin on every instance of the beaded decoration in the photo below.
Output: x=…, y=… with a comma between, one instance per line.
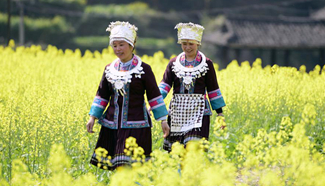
x=120, y=78
x=189, y=74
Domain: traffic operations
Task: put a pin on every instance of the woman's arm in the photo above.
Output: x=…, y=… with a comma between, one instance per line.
x=100, y=102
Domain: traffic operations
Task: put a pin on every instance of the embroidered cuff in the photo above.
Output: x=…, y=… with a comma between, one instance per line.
x=215, y=94
x=217, y=103
x=98, y=107
x=216, y=99
x=158, y=107
x=164, y=88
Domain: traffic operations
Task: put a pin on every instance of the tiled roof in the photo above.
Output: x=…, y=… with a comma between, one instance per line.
x=279, y=33
x=319, y=15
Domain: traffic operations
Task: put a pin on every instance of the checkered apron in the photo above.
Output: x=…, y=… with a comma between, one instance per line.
x=186, y=111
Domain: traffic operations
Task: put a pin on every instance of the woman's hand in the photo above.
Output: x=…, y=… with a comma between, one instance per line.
x=165, y=128
x=149, y=110
x=90, y=124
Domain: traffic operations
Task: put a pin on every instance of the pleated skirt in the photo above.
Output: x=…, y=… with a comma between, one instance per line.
x=113, y=141
x=194, y=134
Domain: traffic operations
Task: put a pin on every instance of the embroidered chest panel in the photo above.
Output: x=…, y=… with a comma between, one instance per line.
x=195, y=69
x=119, y=78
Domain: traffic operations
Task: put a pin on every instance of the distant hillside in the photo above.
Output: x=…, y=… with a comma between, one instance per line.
x=82, y=23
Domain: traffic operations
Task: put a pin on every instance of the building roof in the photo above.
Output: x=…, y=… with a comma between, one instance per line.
x=319, y=15
x=269, y=33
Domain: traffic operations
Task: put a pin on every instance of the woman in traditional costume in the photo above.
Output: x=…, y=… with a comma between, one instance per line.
x=123, y=85
x=193, y=78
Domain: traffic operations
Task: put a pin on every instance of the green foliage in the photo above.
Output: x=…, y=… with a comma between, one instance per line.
x=85, y=32
x=143, y=44
x=126, y=10
x=76, y=2
x=92, y=41
x=40, y=30
x=148, y=43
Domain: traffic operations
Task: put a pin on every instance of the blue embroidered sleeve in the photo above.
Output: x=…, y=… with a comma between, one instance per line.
x=216, y=99
x=155, y=99
x=158, y=107
x=214, y=93
x=98, y=107
x=164, y=88
x=102, y=97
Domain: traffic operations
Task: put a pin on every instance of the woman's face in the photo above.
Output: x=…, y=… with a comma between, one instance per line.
x=123, y=50
x=190, y=48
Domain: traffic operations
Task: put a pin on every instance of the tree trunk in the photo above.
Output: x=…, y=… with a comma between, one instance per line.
x=8, y=21
x=21, y=24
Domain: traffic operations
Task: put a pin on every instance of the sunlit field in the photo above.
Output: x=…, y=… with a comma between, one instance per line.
x=274, y=116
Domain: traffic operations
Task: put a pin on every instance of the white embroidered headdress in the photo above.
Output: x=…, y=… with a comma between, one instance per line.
x=189, y=31
x=121, y=30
